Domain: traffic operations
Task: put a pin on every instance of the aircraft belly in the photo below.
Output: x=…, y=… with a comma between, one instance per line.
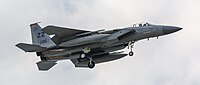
x=84, y=40
x=110, y=57
x=114, y=48
x=56, y=58
x=63, y=57
x=99, y=59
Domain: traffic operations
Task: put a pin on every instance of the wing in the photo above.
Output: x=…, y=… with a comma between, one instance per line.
x=98, y=59
x=61, y=31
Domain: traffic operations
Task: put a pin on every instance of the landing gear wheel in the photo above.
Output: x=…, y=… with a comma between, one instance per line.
x=91, y=64
x=131, y=53
x=130, y=45
x=82, y=55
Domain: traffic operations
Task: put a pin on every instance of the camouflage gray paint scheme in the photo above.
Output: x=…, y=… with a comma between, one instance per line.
x=86, y=48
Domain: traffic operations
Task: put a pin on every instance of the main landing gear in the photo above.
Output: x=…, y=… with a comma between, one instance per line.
x=84, y=56
x=130, y=45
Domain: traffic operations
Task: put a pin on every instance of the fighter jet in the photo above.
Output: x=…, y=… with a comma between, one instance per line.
x=87, y=48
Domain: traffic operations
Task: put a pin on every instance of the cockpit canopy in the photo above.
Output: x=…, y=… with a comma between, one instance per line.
x=141, y=24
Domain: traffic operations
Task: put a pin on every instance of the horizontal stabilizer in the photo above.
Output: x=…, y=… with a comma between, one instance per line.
x=45, y=65
x=30, y=48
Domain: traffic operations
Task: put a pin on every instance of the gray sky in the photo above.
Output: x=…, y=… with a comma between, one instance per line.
x=170, y=60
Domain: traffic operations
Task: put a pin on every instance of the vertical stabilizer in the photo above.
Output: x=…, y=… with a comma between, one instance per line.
x=39, y=37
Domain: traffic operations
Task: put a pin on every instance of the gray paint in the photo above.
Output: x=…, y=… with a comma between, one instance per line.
x=98, y=43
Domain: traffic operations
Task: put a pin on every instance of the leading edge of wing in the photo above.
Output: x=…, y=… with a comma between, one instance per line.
x=61, y=31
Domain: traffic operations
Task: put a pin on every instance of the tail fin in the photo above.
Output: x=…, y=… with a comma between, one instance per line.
x=39, y=37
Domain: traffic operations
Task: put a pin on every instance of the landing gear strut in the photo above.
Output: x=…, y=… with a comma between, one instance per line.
x=130, y=45
x=84, y=54
x=86, y=50
x=91, y=64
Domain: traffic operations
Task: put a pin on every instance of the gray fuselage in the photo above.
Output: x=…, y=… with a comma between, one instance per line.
x=109, y=41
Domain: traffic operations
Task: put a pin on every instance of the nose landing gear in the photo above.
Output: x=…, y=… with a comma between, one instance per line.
x=91, y=64
x=130, y=45
x=130, y=53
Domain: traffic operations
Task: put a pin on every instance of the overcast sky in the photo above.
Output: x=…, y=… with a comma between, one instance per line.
x=170, y=60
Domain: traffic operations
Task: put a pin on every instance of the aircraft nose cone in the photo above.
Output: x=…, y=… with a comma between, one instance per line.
x=170, y=29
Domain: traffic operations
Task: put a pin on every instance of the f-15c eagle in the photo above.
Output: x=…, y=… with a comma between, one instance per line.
x=87, y=48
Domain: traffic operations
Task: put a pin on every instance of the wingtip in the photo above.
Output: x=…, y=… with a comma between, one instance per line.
x=17, y=45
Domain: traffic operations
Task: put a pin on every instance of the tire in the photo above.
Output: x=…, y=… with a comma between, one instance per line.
x=131, y=53
x=39, y=53
x=82, y=55
x=91, y=64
